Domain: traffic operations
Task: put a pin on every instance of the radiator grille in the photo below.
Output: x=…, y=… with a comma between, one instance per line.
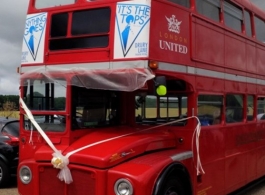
x=49, y=183
x=83, y=182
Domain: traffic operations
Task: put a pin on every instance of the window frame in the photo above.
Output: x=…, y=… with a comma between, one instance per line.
x=248, y=23
x=206, y=13
x=211, y=114
x=235, y=14
x=73, y=41
x=259, y=32
x=234, y=113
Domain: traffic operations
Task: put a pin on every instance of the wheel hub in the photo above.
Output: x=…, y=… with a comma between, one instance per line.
x=171, y=192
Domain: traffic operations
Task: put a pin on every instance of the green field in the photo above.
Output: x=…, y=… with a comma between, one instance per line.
x=10, y=114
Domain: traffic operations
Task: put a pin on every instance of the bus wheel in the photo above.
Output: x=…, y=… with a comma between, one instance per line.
x=4, y=174
x=172, y=187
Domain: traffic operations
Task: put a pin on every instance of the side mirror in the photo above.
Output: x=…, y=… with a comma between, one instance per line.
x=160, y=85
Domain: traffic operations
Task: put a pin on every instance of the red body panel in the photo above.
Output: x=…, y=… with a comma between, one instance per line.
x=99, y=157
x=210, y=57
x=165, y=45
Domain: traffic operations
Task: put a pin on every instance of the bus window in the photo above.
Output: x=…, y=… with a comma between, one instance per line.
x=145, y=107
x=250, y=107
x=210, y=109
x=52, y=3
x=94, y=108
x=94, y=34
x=173, y=107
x=234, y=108
x=233, y=16
x=51, y=123
x=151, y=109
x=260, y=29
x=45, y=95
x=248, y=23
x=185, y=3
x=210, y=9
x=261, y=108
x=168, y=107
x=83, y=22
x=59, y=25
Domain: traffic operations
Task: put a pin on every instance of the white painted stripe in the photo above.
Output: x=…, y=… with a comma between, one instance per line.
x=175, y=68
x=209, y=73
x=87, y=66
x=261, y=82
x=251, y=80
x=143, y=64
x=182, y=156
x=234, y=77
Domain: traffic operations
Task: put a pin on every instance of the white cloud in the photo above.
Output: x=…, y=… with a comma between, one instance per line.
x=10, y=86
x=12, y=23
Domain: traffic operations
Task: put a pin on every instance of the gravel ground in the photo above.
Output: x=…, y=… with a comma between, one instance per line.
x=256, y=190
x=11, y=189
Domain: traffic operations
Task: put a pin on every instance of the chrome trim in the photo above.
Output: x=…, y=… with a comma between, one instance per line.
x=21, y=176
x=182, y=156
x=122, y=180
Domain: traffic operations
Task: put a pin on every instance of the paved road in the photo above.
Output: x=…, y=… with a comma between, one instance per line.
x=258, y=189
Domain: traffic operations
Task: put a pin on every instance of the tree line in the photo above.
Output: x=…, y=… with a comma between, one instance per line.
x=9, y=102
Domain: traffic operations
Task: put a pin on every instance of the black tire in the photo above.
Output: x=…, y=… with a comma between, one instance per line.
x=172, y=186
x=4, y=174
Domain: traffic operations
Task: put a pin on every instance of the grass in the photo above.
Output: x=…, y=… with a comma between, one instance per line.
x=10, y=114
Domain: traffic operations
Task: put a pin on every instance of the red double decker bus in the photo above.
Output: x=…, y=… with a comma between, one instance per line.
x=144, y=97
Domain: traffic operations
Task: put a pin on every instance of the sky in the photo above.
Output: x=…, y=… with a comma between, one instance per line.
x=12, y=23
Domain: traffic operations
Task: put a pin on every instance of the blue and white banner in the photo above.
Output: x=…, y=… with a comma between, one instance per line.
x=131, y=39
x=33, y=39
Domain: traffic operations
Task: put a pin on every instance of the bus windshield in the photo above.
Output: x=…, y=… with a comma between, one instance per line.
x=48, y=123
x=94, y=108
x=44, y=94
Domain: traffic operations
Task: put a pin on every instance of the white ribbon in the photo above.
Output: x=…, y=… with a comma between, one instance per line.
x=196, y=135
x=61, y=162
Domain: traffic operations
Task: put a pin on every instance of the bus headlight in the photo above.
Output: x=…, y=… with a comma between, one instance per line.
x=25, y=174
x=123, y=187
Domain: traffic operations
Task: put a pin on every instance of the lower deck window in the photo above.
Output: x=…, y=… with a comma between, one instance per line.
x=45, y=94
x=261, y=108
x=151, y=109
x=48, y=123
x=234, y=108
x=93, y=108
x=210, y=109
